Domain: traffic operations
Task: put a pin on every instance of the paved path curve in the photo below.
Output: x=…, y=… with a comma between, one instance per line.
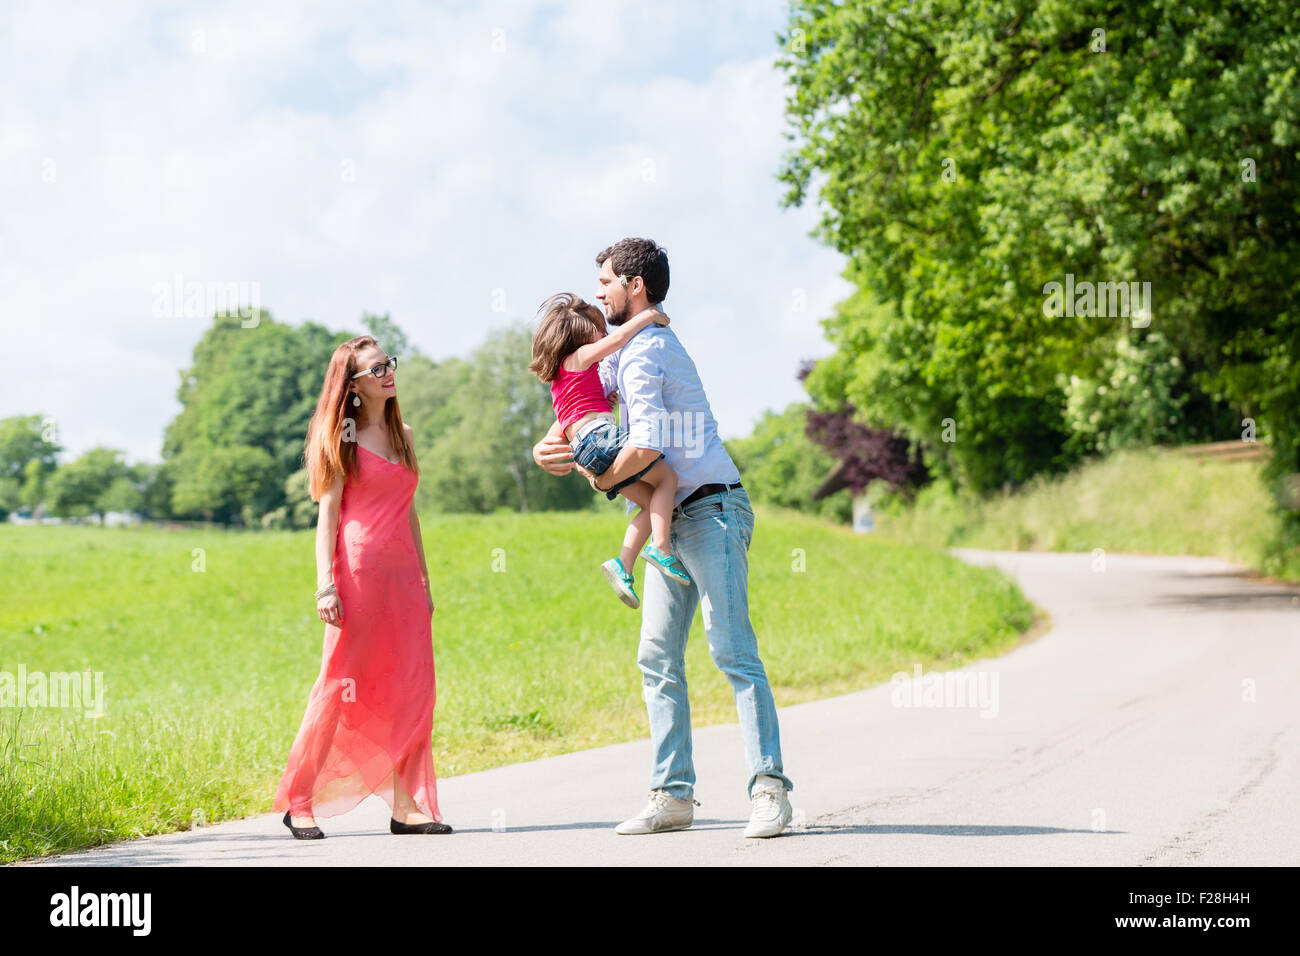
x=1156, y=723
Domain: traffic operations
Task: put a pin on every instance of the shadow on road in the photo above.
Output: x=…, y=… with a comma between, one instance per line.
x=938, y=829
x=1288, y=600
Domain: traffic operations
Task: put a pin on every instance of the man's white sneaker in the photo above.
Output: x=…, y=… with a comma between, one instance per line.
x=664, y=812
x=771, y=808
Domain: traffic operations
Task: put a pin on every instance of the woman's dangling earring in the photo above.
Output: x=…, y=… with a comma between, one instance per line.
x=356, y=399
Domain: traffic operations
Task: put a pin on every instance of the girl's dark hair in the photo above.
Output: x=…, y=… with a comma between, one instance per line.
x=567, y=323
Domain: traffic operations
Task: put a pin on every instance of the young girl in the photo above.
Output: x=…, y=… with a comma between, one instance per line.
x=567, y=349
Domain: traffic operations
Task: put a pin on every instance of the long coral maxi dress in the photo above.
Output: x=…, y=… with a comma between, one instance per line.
x=369, y=716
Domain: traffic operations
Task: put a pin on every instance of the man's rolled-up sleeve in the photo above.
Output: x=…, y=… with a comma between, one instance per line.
x=643, y=381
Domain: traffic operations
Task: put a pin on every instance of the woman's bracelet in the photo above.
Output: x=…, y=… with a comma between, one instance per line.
x=327, y=589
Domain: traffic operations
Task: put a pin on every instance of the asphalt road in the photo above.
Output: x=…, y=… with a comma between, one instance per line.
x=1156, y=723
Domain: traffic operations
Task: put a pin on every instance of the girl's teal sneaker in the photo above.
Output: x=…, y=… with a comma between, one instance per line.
x=621, y=582
x=665, y=563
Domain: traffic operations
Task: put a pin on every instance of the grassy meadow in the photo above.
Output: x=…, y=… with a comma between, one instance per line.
x=208, y=641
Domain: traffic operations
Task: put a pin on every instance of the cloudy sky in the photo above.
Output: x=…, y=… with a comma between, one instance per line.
x=451, y=164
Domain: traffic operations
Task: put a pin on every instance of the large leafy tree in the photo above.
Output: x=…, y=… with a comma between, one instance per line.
x=235, y=449
x=156, y=485
x=123, y=495
x=864, y=454
x=781, y=465
x=428, y=395
x=27, y=459
x=95, y=482
x=249, y=396
x=221, y=482
x=494, y=412
x=23, y=440
x=388, y=334
x=967, y=153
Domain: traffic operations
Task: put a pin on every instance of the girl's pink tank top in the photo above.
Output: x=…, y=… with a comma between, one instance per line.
x=574, y=394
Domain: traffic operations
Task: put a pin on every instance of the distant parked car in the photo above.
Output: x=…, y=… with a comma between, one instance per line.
x=117, y=519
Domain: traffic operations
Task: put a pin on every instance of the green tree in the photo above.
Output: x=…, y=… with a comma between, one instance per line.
x=388, y=334
x=219, y=482
x=78, y=488
x=494, y=413
x=426, y=394
x=156, y=481
x=782, y=466
x=10, y=496
x=300, y=510
x=1135, y=401
x=22, y=439
x=969, y=153
x=27, y=459
x=35, y=475
x=248, y=388
x=122, y=495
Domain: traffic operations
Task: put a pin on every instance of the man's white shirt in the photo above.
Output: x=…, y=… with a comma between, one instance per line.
x=663, y=407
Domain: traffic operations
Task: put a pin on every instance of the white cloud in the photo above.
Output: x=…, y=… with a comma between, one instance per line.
x=393, y=163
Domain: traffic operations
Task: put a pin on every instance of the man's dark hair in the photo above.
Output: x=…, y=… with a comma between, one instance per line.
x=640, y=257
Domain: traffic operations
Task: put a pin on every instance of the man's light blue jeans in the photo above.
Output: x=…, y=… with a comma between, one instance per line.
x=710, y=537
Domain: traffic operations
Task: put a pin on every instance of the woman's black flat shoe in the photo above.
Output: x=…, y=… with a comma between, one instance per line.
x=430, y=827
x=303, y=833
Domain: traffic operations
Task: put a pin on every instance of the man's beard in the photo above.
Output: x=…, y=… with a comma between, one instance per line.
x=621, y=316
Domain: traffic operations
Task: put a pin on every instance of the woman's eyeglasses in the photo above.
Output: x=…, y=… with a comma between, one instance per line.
x=379, y=371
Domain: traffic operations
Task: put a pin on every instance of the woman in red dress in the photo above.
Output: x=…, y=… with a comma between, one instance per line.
x=369, y=716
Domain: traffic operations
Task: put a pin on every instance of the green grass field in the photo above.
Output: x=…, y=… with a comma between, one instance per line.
x=206, y=673
x=1150, y=501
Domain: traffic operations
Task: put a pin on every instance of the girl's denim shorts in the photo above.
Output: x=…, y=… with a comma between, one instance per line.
x=599, y=446
x=597, y=449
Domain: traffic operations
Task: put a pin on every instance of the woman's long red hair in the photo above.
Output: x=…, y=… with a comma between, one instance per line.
x=327, y=455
